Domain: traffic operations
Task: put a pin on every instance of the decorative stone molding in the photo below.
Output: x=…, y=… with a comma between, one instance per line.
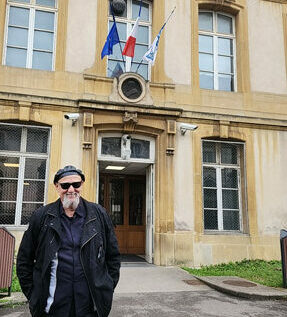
x=87, y=131
x=24, y=110
x=130, y=120
x=224, y=129
x=131, y=88
x=277, y=1
x=171, y=131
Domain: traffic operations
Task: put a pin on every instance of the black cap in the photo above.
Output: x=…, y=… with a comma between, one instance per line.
x=66, y=171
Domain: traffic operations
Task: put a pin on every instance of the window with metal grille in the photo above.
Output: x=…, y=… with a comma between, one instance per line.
x=30, y=34
x=23, y=171
x=216, y=50
x=222, y=185
x=125, y=21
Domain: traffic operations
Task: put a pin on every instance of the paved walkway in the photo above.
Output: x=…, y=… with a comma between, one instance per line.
x=141, y=277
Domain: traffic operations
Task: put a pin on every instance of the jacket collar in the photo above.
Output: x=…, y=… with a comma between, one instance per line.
x=90, y=228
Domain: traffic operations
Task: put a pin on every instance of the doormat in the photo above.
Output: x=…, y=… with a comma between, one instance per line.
x=132, y=258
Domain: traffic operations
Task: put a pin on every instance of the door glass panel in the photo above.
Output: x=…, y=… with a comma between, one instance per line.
x=140, y=149
x=136, y=202
x=111, y=146
x=116, y=193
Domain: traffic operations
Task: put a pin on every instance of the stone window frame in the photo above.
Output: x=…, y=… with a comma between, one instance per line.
x=215, y=36
x=129, y=21
x=243, y=218
x=22, y=155
x=60, y=34
x=238, y=9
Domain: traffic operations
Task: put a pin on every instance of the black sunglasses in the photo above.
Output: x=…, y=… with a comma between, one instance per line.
x=67, y=185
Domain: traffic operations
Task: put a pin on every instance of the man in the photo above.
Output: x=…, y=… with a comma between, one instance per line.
x=68, y=261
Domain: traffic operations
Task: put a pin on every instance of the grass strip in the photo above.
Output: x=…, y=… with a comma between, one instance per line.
x=267, y=273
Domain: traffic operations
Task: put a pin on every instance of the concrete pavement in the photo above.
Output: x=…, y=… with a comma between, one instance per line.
x=148, y=290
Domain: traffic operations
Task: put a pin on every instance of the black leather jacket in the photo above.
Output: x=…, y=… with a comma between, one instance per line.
x=99, y=254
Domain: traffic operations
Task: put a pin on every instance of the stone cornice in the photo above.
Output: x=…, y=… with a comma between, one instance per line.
x=277, y=1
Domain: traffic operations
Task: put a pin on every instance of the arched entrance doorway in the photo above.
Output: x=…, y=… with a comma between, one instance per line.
x=125, y=189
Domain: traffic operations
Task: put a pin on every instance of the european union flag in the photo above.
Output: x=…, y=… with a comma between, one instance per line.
x=112, y=39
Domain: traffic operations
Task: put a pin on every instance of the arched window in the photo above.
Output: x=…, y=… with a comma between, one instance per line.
x=222, y=170
x=30, y=34
x=125, y=22
x=216, y=50
x=23, y=171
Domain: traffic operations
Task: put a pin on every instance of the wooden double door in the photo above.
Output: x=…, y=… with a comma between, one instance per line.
x=123, y=196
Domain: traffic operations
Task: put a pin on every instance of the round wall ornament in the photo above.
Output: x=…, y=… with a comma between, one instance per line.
x=131, y=87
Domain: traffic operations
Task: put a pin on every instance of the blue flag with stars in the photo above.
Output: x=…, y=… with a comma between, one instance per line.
x=112, y=39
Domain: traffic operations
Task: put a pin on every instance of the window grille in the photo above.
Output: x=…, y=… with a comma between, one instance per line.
x=23, y=171
x=216, y=50
x=30, y=34
x=125, y=22
x=222, y=185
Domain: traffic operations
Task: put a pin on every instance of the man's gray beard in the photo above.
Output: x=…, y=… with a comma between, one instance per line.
x=71, y=204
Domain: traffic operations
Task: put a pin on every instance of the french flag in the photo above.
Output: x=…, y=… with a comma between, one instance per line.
x=129, y=49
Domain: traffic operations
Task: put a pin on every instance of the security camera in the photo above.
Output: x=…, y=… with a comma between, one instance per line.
x=126, y=137
x=187, y=126
x=126, y=146
x=72, y=116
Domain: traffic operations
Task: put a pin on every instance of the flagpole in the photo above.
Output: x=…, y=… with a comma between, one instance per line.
x=140, y=10
x=157, y=35
x=139, y=65
x=119, y=37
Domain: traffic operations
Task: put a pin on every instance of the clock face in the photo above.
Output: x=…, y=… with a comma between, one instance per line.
x=131, y=88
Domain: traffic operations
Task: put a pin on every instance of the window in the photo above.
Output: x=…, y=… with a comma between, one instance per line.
x=120, y=147
x=30, y=34
x=125, y=22
x=221, y=185
x=23, y=171
x=216, y=51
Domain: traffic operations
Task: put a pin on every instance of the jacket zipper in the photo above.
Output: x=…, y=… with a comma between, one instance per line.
x=95, y=306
